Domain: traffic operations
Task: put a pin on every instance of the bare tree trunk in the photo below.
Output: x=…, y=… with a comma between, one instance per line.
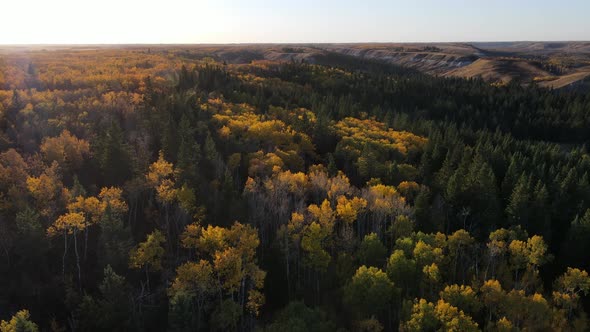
x=287, y=264
x=485, y=276
x=220, y=290
x=77, y=260
x=85, y=242
x=317, y=282
x=199, y=306
x=147, y=277
x=7, y=253
x=389, y=318
x=169, y=238
x=63, y=259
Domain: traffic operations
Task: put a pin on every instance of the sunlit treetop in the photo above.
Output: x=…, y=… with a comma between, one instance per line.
x=372, y=132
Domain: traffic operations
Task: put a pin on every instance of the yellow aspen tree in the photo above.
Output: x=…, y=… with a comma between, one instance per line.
x=160, y=177
x=20, y=322
x=148, y=254
x=69, y=224
x=92, y=209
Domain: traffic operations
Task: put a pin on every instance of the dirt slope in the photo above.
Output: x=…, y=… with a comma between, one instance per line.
x=550, y=64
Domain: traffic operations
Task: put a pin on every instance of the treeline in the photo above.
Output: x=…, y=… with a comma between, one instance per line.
x=344, y=195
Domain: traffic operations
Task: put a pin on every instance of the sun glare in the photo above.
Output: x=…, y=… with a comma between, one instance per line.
x=110, y=22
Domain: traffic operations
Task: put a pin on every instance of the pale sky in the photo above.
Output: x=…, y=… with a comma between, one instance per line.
x=258, y=21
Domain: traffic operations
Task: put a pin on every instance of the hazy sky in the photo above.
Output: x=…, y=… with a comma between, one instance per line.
x=242, y=21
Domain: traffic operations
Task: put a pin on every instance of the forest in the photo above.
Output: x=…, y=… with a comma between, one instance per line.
x=158, y=189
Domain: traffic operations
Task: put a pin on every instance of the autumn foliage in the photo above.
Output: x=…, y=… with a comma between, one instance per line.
x=173, y=189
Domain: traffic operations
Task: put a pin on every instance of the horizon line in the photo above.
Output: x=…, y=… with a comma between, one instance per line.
x=292, y=43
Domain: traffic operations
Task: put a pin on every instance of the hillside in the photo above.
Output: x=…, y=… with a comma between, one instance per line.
x=554, y=65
